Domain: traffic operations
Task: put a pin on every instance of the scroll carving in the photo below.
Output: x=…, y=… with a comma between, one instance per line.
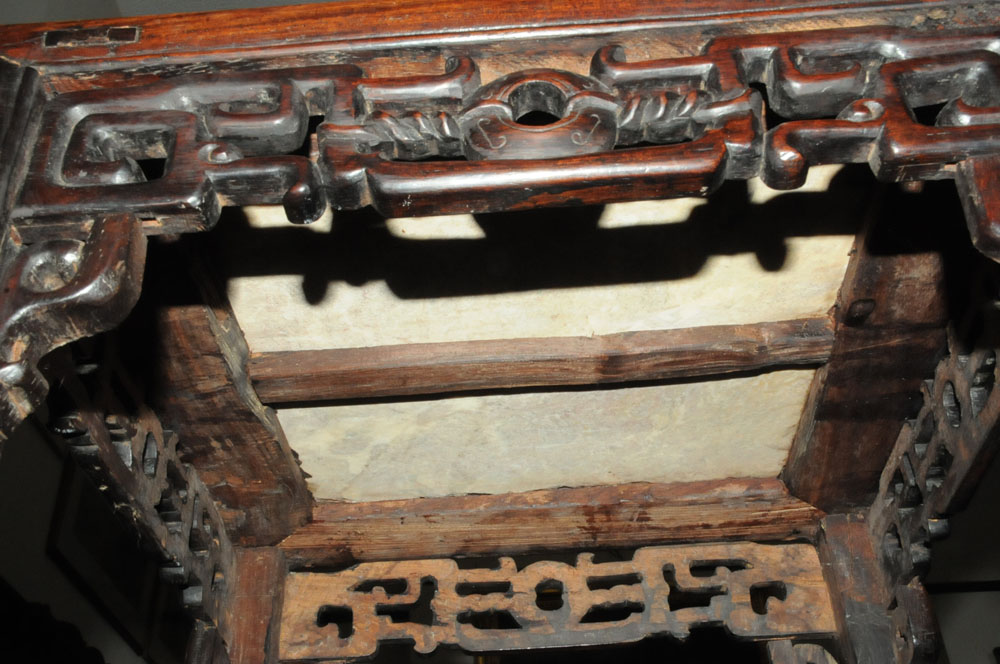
x=59, y=291
x=446, y=144
x=757, y=591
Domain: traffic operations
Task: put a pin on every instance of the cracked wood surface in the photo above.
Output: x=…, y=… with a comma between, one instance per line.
x=539, y=521
x=282, y=377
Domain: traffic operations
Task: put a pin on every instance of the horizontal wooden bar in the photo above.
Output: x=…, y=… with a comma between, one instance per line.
x=620, y=516
x=381, y=371
x=402, y=21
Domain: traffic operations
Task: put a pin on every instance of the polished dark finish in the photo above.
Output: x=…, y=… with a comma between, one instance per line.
x=538, y=137
x=111, y=130
x=59, y=291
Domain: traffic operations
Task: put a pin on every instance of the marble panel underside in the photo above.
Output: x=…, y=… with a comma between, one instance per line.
x=776, y=256
x=768, y=256
x=738, y=427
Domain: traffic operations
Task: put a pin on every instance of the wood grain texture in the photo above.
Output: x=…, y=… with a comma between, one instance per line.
x=627, y=515
x=234, y=442
x=857, y=589
x=890, y=319
x=413, y=21
x=976, y=181
x=657, y=584
x=297, y=376
x=250, y=626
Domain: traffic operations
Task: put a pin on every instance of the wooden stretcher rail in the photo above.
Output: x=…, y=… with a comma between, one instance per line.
x=382, y=371
x=626, y=515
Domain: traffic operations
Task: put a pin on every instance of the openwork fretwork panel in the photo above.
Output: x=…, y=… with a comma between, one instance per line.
x=940, y=453
x=757, y=591
x=122, y=444
x=937, y=459
x=175, y=151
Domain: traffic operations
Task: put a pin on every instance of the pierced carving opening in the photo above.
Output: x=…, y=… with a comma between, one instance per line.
x=615, y=612
x=927, y=115
x=150, y=455
x=390, y=586
x=904, y=486
x=482, y=588
x=478, y=563
x=938, y=469
x=341, y=616
x=609, y=582
x=952, y=409
x=173, y=498
x=760, y=593
x=537, y=103
x=982, y=383
x=925, y=431
x=549, y=595
x=121, y=431
x=892, y=545
x=679, y=598
x=152, y=169
x=613, y=556
x=201, y=535
x=706, y=568
x=309, y=142
x=419, y=612
x=492, y=619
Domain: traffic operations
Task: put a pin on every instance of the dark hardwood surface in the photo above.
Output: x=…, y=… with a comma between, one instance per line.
x=296, y=27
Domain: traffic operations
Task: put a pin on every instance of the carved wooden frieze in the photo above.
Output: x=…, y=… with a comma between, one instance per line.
x=757, y=105
x=757, y=591
x=122, y=443
x=937, y=460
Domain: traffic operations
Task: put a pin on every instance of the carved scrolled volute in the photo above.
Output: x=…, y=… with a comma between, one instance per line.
x=576, y=115
x=59, y=291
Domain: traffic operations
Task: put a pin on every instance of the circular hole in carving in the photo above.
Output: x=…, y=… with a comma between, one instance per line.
x=549, y=595
x=952, y=409
x=52, y=267
x=537, y=103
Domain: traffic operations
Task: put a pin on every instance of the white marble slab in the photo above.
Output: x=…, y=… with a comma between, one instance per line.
x=739, y=427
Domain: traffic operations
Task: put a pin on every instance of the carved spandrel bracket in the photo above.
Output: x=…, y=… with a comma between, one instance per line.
x=758, y=592
x=59, y=291
x=176, y=151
